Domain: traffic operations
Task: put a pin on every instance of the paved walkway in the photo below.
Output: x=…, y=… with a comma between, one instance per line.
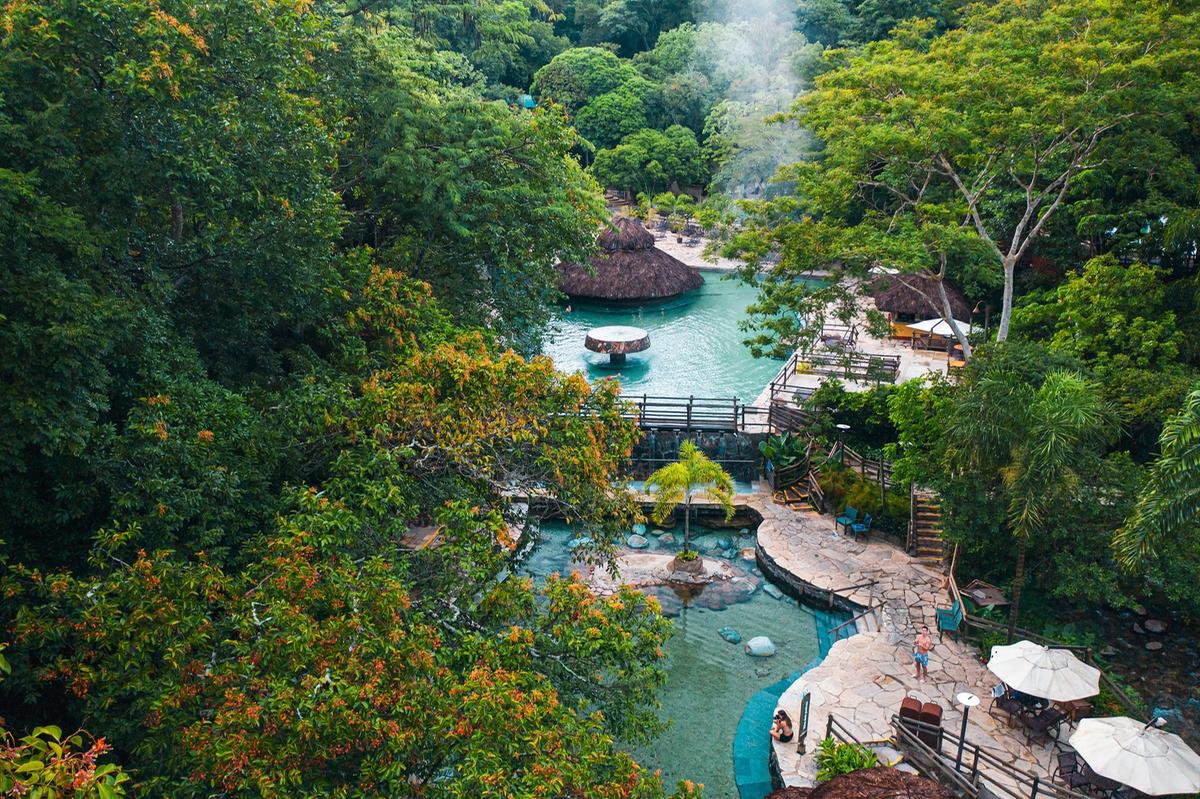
x=864, y=678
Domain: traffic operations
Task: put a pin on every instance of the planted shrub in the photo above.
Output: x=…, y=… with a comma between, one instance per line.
x=835, y=758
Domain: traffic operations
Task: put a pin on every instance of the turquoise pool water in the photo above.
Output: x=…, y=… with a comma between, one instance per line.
x=695, y=344
x=710, y=681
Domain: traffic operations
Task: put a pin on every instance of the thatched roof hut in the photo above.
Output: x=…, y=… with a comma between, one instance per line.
x=629, y=268
x=870, y=783
x=906, y=295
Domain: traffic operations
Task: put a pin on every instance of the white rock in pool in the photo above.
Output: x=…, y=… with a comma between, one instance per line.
x=760, y=646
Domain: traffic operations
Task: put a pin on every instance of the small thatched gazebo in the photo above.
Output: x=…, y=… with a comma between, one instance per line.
x=870, y=783
x=904, y=296
x=629, y=268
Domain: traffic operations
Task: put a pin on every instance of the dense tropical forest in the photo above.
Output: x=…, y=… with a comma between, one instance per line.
x=274, y=279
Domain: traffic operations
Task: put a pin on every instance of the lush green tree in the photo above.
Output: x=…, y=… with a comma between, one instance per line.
x=612, y=116
x=47, y=763
x=649, y=160
x=927, y=168
x=579, y=75
x=1037, y=440
x=319, y=670
x=633, y=25
x=1160, y=534
x=1117, y=318
x=476, y=198
x=166, y=201
x=678, y=483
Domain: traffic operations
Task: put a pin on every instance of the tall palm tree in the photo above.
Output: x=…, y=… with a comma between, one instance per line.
x=1036, y=439
x=679, y=482
x=1170, y=501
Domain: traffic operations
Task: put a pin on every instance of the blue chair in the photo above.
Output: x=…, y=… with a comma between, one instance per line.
x=848, y=517
x=861, y=528
x=949, y=619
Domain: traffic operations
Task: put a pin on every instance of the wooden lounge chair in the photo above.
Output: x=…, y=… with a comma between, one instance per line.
x=848, y=517
x=949, y=619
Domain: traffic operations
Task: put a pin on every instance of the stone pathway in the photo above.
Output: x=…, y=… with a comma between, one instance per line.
x=864, y=677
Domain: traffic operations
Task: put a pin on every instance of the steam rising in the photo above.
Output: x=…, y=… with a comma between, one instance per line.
x=751, y=48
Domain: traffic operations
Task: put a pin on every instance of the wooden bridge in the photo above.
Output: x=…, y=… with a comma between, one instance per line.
x=711, y=414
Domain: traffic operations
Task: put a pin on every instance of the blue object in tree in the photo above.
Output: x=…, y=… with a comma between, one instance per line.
x=527, y=101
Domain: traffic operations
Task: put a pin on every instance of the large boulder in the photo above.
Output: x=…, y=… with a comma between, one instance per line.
x=760, y=646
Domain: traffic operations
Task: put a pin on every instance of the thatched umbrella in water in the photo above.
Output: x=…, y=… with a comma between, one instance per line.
x=629, y=268
x=870, y=783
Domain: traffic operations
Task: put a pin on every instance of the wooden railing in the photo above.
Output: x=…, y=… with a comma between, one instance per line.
x=871, y=468
x=786, y=418
x=1084, y=653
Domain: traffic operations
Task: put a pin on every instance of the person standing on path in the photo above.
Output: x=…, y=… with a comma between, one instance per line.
x=921, y=648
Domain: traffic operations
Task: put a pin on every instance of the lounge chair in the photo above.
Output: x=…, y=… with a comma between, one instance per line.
x=848, y=517
x=861, y=528
x=949, y=619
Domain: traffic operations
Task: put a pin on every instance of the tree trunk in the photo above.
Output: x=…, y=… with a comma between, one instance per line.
x=1018, y=581
x=948, y=313
x=1010, y=266
x=687, y=518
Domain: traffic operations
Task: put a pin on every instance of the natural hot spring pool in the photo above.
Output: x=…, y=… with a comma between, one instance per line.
x=695, y=344
x=710, y=681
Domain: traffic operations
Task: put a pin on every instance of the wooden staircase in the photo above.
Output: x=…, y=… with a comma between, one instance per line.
x=925, y=528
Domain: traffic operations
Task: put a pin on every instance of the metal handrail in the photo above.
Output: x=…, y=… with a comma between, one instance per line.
x=1038, y=785
x=836, y=632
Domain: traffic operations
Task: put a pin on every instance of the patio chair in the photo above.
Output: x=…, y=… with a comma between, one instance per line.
x=1043, y=724
x=949, y=619
x=848, y=517
x=861, y=528
x=1002, y=701
x=1069, y=771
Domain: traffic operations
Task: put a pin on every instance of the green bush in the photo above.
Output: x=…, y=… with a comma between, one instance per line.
x=846, y=488
x=835, y=758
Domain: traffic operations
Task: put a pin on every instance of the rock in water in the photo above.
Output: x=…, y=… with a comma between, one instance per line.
x=723, y=543
x=1154, y=646
x=637, y=541
x=666, y=539
x=639, y=529
x=1156, y=626
x=745, y=531
x=772, y=591
x=731, y=635
x=760, y=646
x=748, y=554
x=578, y=542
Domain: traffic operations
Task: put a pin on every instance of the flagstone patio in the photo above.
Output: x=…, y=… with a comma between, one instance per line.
x=864, y=678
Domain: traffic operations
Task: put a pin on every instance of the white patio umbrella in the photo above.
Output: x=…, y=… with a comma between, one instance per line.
x=940, y=327
x=1138, y=755
x=1053, y=674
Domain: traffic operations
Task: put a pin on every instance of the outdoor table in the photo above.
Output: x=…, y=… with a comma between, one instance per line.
x=1076, y=709
x=984, y=594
